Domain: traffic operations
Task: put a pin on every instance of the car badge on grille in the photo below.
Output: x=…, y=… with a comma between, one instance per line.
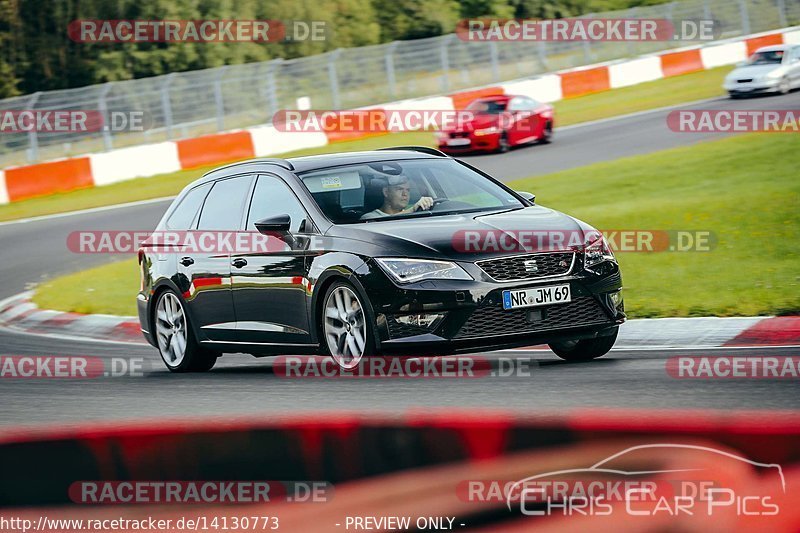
x=531, y=266
x=562, y=263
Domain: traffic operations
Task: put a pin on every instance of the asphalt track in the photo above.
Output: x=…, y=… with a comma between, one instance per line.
x=35, y=250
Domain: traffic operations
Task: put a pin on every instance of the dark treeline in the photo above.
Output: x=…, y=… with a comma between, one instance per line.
x=36, y=53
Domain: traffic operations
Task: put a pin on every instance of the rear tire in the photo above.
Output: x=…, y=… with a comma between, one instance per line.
x=175, y=338
x=547, y=134
x=584, y=349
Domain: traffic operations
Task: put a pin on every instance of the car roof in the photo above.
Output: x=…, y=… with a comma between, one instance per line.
x=774, y=48
x=314, y=162
x=495, y=98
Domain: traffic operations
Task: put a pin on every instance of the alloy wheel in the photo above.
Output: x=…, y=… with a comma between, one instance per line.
x=345, y=327
x=171, y=329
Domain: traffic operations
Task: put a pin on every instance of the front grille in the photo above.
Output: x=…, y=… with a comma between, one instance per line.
x=459, y=134
x=745, y=80
x=531, y=266
x=494, y=320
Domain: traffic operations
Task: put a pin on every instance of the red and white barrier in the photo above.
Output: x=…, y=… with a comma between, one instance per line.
x=19, y=183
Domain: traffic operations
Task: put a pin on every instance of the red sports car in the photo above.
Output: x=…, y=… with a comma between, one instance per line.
x=499, y=123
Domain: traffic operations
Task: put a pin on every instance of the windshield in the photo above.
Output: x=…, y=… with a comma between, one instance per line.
x=766, y=58
x=488, y=107
x=390, y=190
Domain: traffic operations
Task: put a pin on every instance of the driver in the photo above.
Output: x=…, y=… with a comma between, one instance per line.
x=395, y=199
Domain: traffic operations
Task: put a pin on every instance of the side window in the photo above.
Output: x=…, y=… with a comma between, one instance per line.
x=273, y=197
x=183, y=216
x=516, y=104
x=223, y=207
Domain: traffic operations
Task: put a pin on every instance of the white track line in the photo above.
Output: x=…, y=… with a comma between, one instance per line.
x=87, y=211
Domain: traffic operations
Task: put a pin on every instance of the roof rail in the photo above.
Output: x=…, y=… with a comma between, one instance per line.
x=423, y=149
x=283, y=163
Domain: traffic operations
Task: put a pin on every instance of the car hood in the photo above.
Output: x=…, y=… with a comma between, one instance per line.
x=481, y=121
x=752, y=71
x=448, y=236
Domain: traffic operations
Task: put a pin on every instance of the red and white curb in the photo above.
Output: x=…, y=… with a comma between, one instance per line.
x=19, y=313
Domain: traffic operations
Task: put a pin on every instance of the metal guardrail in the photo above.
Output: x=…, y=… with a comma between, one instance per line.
x=186, y=104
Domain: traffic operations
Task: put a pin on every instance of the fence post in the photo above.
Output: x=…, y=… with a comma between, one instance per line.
x=108, y=143
x=33, y=141
x=334, y=80
x=445, y=58
x=495, y=61
x=586, y=45
x=541, y=51
x=272, y=86
x=745, y=17
x=388, y=58
x=707, y=9
x=166, y=107
x=219, y=103
x=782, y=13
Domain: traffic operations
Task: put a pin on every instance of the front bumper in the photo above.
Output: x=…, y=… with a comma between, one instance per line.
x=472, y=317
x=753, y=87
x=476, y=143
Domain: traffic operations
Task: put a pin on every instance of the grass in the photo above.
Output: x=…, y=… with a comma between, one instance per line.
x=743, y=189
x=107, y=289
x=648, y=95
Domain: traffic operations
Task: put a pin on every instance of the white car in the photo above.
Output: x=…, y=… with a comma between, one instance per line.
x=771, y=69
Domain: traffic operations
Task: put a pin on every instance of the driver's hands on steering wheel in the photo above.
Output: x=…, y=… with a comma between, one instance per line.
x=423, y=204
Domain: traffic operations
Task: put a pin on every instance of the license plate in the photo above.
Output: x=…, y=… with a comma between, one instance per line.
x=552, y=294
x=457, y=142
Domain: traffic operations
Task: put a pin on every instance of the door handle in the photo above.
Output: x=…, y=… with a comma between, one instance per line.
x=186, y=261
x=239, y=262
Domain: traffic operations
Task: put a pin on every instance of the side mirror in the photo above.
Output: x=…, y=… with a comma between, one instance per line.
x=528, y=196
x=276, y=224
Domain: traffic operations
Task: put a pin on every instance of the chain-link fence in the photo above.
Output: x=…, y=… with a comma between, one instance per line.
x=193, y=103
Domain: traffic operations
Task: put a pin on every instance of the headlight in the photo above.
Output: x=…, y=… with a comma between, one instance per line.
x=408, y=270
x=486, y=131
x=597, y=252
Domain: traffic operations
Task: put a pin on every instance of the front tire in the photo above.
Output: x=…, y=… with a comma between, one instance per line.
x=503, y=144
x=784, y=86
x=345, y=325
x=585, y=349
x=177, y=345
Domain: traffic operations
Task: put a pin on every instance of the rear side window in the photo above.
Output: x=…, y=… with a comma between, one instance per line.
x=223, y=207
x=184, y=214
